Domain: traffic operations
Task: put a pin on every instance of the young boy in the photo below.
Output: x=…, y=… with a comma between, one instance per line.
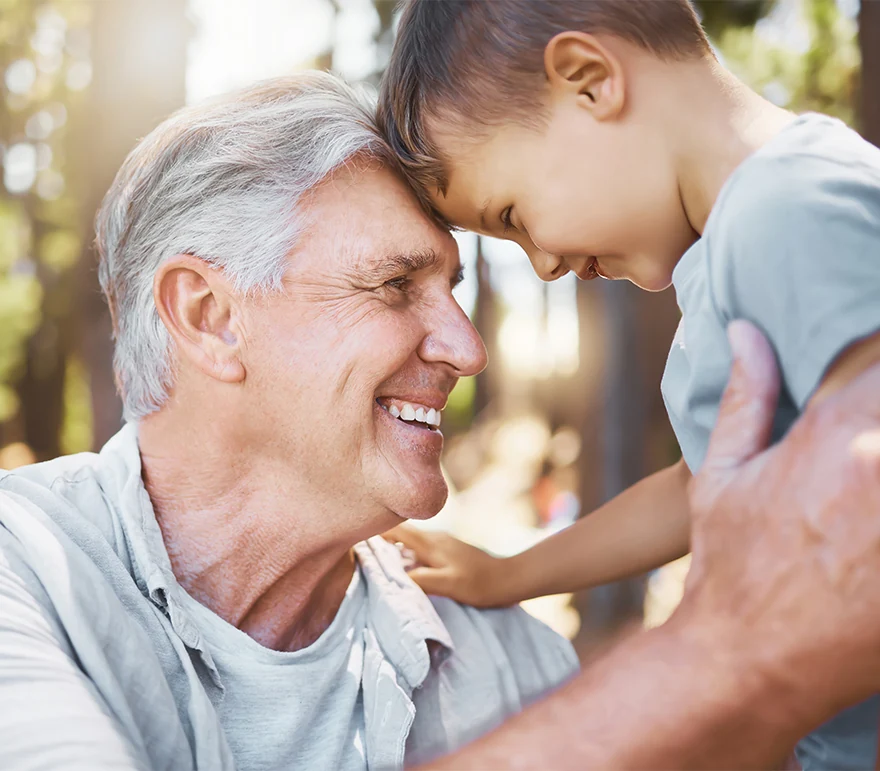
x=604, y=138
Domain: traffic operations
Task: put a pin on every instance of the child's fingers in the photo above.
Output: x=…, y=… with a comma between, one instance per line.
x=420, y=543
x=430, y=580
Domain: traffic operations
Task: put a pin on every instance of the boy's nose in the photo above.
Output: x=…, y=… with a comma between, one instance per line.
x=549, y=267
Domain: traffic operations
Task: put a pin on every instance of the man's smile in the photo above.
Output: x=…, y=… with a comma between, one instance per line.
x=413, y=413
x=411, y=434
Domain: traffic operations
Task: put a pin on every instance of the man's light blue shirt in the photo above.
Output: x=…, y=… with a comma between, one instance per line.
x=104, y=664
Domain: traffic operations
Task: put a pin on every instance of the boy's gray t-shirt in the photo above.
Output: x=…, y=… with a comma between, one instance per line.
x=792, y=245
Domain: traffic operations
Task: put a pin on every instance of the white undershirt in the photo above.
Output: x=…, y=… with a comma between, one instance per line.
x=300, y=710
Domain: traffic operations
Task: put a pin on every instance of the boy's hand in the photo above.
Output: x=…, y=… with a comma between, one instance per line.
x=453, y=568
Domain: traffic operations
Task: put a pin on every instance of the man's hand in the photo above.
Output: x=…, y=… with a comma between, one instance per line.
x=786, y=542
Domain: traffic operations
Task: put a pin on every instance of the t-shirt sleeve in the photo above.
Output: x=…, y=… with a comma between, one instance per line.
x=799, y=256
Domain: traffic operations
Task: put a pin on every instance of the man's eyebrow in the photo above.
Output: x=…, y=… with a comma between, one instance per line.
x=402, y=262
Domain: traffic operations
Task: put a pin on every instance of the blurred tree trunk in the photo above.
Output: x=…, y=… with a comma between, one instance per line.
x=869, y=42
x=139, y=64
x=623, y=440
x=41, y=388
x=625, y=334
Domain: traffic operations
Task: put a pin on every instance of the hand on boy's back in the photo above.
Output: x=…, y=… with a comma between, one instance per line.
x=786, y=542
x=446, y=566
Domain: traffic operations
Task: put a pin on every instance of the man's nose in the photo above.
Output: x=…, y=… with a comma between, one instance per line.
x=452, y=339
x=549, y=267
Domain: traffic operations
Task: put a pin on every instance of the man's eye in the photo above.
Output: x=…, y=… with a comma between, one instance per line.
x=505, y=218
x=401, y=283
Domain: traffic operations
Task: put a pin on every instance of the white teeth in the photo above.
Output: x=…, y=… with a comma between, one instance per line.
x=409, y=412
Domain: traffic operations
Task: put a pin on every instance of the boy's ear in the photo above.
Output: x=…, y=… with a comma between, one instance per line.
x=200, y=312
x=578, y=65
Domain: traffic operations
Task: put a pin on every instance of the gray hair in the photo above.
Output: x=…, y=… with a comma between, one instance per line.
x=220, y=181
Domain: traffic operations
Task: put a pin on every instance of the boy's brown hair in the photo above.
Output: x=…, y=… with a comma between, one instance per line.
x=481, y=62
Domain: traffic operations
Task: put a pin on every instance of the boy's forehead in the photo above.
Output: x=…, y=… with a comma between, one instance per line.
x=458, y=208
x=479, y=170
x=467, y=198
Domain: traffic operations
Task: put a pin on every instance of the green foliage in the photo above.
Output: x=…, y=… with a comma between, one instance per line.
x=823, y=78
x=20, y=298
x=460, y=407
x=14, y=227
x=43, y=63
x=60, y=249
x=719, y=16
x=76, y=433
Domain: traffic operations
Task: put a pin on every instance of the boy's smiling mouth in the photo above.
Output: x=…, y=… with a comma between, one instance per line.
x=590, y=270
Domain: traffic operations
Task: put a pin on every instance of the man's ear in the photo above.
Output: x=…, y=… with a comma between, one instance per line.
x=578, y=65
x=197, y=306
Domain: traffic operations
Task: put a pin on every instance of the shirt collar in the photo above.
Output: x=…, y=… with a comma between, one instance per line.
x=407, y=627
x=150, y=562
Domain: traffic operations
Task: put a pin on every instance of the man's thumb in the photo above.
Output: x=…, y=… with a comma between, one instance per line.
x=745, y=417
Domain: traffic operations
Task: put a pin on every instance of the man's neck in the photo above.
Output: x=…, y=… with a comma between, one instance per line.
x=730, y=123
x=251, y=544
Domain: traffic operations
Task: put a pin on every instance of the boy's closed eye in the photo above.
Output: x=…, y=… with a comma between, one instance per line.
x=507, y=219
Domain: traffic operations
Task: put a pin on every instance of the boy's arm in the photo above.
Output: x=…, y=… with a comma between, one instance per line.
x=644, y=527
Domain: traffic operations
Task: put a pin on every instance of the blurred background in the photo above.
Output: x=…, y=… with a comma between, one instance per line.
x=569, y=412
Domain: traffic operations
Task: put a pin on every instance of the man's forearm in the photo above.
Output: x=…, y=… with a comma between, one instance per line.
x=662, y=699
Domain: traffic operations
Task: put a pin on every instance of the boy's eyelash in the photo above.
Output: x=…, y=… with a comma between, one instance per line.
x=505, y=218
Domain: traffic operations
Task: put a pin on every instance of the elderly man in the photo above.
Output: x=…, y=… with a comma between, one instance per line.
x=206, y=593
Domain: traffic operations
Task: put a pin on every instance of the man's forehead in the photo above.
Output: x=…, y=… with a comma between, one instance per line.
x=371, y=218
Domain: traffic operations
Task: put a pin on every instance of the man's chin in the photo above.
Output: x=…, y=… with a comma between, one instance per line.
x=425, y=501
